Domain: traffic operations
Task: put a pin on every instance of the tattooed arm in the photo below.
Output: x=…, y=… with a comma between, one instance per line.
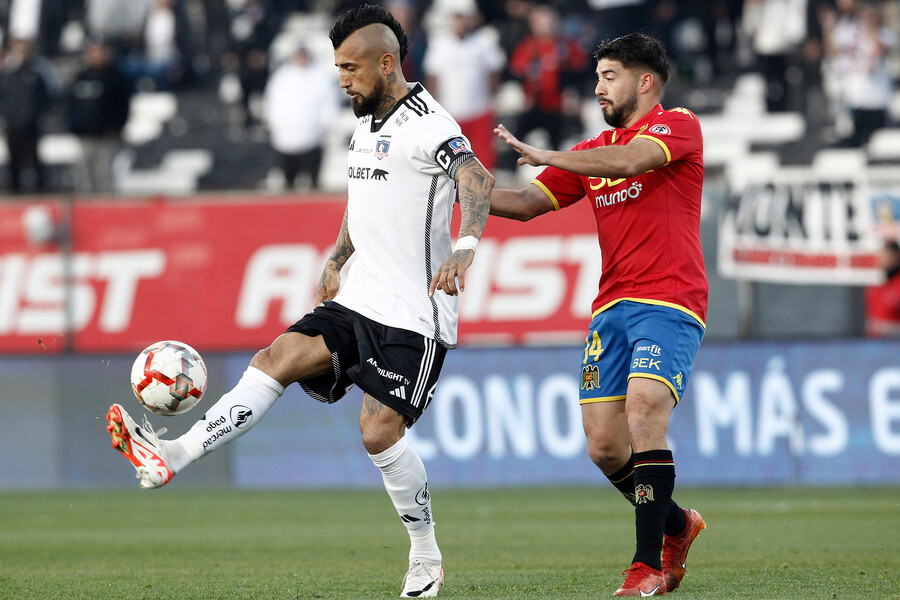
x=474, y=185
x=330, y=282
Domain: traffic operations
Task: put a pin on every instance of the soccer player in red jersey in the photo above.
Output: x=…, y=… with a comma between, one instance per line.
x=644, y=180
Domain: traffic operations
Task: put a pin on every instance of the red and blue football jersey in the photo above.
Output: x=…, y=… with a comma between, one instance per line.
x=648, y=225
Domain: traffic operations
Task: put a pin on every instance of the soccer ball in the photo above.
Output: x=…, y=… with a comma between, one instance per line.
x=168, y=378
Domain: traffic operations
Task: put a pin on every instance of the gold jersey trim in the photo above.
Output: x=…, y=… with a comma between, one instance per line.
x=549, y=194
x=686, y=311
x=661, y=145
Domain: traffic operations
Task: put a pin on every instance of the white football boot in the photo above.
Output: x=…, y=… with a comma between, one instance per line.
x=423, y=580
x=140, y=445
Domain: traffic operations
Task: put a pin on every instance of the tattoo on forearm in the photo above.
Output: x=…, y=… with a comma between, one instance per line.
x=475, y=185
x=343, y=248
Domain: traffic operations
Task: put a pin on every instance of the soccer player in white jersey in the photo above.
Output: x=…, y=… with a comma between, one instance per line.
x=388, y=329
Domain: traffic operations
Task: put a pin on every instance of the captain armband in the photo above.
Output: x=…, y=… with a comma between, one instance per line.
x=452, y=153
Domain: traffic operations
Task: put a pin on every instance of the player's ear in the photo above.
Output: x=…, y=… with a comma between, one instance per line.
x=387, y=63
x=645, y=82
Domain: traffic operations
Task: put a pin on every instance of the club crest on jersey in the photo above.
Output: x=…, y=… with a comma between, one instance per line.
x=458, y=145
x=381, y=148
x=590, y=377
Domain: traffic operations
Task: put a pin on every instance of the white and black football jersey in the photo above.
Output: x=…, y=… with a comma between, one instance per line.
x=400, y=201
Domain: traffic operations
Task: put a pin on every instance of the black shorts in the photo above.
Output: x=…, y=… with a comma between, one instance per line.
x=397, y=367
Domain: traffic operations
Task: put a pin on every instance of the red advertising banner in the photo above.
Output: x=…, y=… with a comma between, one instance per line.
x=231, y=273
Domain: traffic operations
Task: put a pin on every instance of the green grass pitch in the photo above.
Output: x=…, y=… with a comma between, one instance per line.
x=567, y=543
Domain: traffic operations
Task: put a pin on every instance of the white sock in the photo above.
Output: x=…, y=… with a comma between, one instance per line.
x=407, y=484
x=227, y=420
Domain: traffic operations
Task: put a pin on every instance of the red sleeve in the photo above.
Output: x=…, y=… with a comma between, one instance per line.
x=562, y=187
x=678, y=133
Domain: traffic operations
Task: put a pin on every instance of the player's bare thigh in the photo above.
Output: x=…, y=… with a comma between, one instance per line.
x=608, y=438
x=293, y=356
x=381, y=426
x=648, y=406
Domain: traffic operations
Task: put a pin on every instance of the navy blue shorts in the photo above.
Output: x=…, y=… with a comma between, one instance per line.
x=634, y=339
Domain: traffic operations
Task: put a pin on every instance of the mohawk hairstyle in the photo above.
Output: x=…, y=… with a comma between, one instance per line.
x=367, y=14
x=636, y=50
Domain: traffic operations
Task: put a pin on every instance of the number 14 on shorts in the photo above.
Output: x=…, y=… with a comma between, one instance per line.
x=592, y=347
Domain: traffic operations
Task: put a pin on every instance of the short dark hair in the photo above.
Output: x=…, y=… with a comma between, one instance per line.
x=367, y=14
x=636, y=50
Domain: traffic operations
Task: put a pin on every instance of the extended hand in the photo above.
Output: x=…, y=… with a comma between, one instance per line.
x=453, y=268
x=529, y=154
x=329, y=285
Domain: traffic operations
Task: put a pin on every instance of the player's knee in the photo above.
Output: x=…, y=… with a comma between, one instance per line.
x=607, y=455
x=377, y=439
x=262, y=360
x=380, y=432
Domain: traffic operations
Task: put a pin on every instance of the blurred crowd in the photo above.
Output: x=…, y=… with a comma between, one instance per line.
x=81, y=61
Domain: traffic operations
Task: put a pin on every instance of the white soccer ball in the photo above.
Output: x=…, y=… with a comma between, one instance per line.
x=168, y=378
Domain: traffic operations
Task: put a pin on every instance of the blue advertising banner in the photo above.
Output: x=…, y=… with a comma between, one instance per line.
x=808, y=413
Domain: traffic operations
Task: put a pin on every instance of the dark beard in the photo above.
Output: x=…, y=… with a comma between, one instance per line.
x=618, y=116
x=367, y=105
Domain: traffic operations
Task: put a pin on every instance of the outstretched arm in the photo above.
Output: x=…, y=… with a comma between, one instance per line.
x=474, y=185
x=521, y=205
x=330, y=282
x=637, y=156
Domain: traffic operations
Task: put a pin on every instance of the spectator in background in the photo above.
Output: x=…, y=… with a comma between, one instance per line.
x=777, y=29
x=883, y=301
x=513, y=26
x=156, y=61
x=856, y=45
x=98, y=105
x=251, y=31
x=462, y=70
x=300, y=108
x=550, y=67
x=118, y=22
x=410, y=18
x=27, y=87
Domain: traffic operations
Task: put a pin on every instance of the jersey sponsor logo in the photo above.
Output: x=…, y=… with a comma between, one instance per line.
x=391, y=376
x=599, y=182
x=241, y=416
x=660, y=129
x=366, y=173
x=422, y=496
x=652, y=349
x=645, y=363
x=382, y=147
x=631, y=192
x=458, y=145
